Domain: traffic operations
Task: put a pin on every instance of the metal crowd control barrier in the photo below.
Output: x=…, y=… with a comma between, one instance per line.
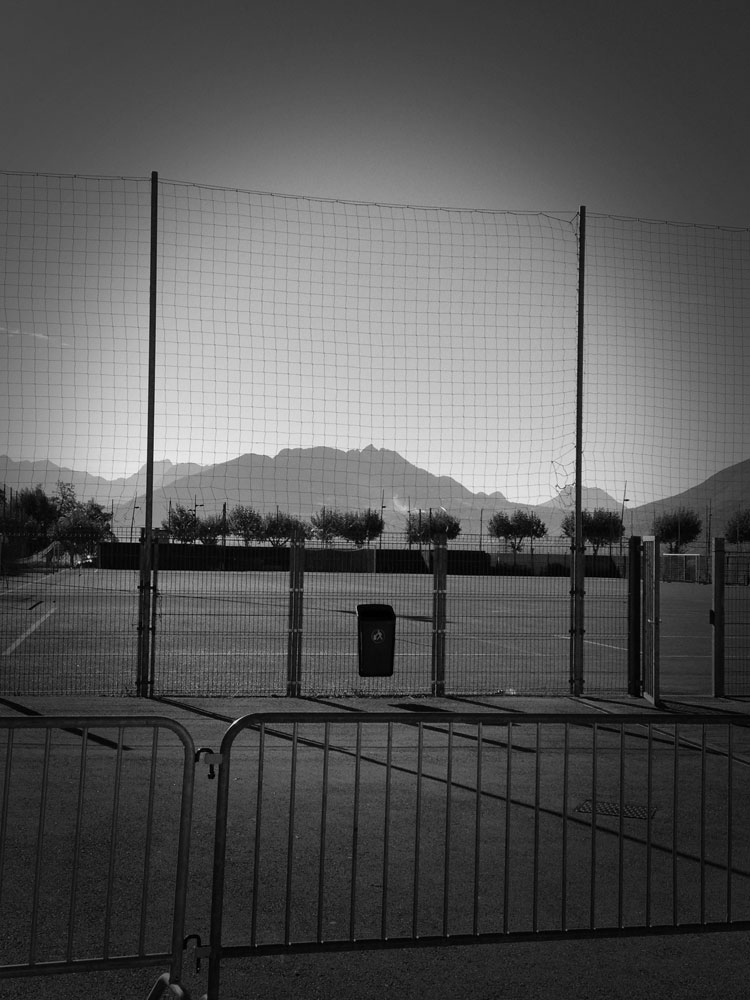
x=351, y=831
x=344, y=831
x=95, y=820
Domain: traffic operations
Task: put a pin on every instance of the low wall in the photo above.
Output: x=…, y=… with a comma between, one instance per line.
x=258, y=558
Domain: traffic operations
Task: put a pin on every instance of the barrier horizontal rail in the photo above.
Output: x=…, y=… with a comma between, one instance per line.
x=95, y=825
x=351, y=831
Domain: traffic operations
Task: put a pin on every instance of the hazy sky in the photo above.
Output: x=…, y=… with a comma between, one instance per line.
x=640, y=111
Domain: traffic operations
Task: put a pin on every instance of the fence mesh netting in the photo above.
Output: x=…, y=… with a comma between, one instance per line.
x=315, y=355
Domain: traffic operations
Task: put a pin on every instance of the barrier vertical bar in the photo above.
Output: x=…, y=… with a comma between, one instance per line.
x=718, y=576
x=578, y=562
x=439, y=596
x=417, y=834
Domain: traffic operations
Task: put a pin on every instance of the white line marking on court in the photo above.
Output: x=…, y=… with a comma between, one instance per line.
x=606, y=644
x=592, y=642
x=27, y=633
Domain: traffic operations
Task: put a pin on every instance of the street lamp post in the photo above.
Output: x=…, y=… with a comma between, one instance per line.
x=622, y=517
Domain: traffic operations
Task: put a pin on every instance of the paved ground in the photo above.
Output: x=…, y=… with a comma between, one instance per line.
x=706, y=965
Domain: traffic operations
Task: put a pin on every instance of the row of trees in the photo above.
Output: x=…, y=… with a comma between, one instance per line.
x=601, y=528
x=362, y=527
x=80, y=525
x=359, y=527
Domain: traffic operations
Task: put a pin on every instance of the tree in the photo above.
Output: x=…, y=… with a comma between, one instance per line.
x=210, y=528
x=737, y=529
x=425, y=526
x=279, y=528
x=516, y=529
x=245, y=522
x=65, y=499
x=677, y=528
x=326, y=525
x=600, y=527
x=82, y=527
x=360, y=526
x=182, y=524
x=32, y=514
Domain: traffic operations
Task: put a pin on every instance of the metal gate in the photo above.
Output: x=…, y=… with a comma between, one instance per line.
x=730, y=618
x=650, y=619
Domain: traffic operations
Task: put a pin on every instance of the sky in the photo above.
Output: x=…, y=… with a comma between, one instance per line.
x=523, y=112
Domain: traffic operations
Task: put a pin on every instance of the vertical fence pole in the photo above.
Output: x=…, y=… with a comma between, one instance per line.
x=439, y=598
x=718, y=575
x=578, y=562
x=144, y=616
x=634, y=616
x=157, y=537
x=296, y=599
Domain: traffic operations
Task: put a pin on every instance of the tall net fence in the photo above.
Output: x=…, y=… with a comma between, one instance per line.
x=667, y=370
x=74, y=332
x=386, y=357
x=315, y=355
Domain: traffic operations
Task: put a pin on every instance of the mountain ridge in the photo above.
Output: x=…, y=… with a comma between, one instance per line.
x=302, y=480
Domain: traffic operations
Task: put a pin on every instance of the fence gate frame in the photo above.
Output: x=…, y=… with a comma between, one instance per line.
x=717, y=617
x=650, y=620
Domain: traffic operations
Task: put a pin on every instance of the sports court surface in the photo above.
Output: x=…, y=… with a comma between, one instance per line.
x=75, y=632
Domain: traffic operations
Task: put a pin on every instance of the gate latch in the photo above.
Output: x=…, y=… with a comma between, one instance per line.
x=212, y=759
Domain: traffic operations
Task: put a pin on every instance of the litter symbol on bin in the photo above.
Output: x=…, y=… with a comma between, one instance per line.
x=377, y=635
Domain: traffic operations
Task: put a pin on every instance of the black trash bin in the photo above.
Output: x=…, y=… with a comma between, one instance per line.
x=376, y=624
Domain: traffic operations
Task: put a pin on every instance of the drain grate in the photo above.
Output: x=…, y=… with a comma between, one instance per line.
x=613, y=809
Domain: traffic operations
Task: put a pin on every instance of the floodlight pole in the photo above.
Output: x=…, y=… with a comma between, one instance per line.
x=143, y=683
x=578, y=567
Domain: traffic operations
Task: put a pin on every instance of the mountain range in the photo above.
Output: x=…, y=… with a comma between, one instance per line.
x=302, y=480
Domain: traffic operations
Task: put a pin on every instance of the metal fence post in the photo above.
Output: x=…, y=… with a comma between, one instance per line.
x=578, y=561
x=439, y=599
x=717, y=617
x=634, y=616
x=144, y=616
x=296, y=600
x=158, y=536
x=577, y=629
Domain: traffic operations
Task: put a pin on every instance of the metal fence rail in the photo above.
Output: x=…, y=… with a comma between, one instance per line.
x=292, y=630
x=95, y=822
x=239, y=620
x=337, y=831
